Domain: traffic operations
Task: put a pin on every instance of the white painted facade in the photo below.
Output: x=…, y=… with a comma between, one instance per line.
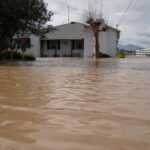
x=108, y=42
x=75, y=31
x=35, y=46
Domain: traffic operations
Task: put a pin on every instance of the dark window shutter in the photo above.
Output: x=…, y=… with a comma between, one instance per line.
x=58, y=44
x=83, y=44
x=72, y=44
x=48, y=44
x=28, y=43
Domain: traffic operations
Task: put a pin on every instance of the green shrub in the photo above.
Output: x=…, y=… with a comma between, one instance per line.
x=7, y=54
x=16, y=55
x=29, y=57
x=121, y=54
x=102, y=55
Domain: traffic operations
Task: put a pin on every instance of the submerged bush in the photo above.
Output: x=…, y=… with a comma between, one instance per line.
x=102, y=55
x=16, y=55
x=8, y=54
x=121, y=54
x=29, y=57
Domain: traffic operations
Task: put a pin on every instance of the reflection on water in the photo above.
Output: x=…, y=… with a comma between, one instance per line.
x=79, y=104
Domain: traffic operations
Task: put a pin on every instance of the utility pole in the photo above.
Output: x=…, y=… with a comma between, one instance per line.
x=68, y=14
x=101, y=9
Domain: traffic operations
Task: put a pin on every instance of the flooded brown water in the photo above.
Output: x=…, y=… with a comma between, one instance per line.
x=75, y=104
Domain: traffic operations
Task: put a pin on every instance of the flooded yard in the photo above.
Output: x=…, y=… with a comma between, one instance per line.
x=75, y=104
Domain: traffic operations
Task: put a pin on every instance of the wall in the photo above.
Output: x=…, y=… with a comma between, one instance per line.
x=35, y=45
x=88, y=44
x=112, y=45
x=108, y=42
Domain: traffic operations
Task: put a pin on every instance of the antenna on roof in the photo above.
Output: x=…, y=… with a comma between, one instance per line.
x=101, y=8
x=68, y=13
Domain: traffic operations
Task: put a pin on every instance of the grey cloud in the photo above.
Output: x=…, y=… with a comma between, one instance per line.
x=144, y=34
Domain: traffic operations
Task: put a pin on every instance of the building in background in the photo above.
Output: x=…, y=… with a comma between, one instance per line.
x=143, y=52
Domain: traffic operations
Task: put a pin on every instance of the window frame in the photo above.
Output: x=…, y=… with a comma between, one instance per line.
x=56, y=45
x=74, y=45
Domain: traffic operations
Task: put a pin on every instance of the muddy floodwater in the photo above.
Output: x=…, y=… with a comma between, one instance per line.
x=75, y=104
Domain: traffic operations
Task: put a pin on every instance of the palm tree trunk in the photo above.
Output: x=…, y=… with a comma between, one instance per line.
x=3, y=45
x=96, y=36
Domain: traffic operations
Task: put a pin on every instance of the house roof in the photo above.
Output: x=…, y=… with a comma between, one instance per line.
x=83, y=24
x=110, y=27
x=73, y=22
x=72, y=30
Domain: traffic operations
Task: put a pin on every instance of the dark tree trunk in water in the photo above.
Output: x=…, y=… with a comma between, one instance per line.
x=5, y=43
x=2, y=46
x=96, y=36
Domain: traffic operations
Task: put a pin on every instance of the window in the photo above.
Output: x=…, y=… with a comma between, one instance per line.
x=22, y=43
x=53, y=44
x=77, y=44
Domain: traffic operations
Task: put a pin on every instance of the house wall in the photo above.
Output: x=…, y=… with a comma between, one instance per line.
x=112, y=42
x=88, y=44
x=108, y=42
x=35, y=45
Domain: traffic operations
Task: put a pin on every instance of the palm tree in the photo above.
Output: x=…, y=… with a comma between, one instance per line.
x=94, y=19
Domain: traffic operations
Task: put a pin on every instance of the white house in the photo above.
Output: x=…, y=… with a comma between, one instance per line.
x=74, y=40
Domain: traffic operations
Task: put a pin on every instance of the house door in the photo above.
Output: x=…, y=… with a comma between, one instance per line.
x=66, y=48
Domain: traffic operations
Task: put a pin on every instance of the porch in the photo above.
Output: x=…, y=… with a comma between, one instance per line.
x=62, y=48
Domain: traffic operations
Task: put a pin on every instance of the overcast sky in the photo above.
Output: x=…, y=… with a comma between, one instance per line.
x=135, y=27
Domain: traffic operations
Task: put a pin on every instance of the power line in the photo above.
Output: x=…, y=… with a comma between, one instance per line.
x=134, y=7
x=123, y=16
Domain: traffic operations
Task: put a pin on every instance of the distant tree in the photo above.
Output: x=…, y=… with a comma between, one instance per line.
x=22, y=15
x=93, y=17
